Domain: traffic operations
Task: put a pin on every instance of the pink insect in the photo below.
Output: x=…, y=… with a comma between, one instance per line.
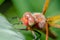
x=40, y=22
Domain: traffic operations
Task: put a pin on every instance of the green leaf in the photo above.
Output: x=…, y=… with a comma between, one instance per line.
x=22, y=6
x=1, y=1
x=7, y=32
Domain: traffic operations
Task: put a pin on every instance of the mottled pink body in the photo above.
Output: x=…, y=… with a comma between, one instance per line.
x=40, y=20
x=36, y=19
x=28, y=16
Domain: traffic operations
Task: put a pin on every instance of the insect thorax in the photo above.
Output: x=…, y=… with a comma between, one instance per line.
x=40, y=19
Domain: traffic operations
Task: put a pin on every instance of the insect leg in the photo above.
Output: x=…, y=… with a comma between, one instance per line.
x=45, y=6
x=33, y=33
x=55, y=25
x=50, y=34
x=15, y=17
x=27, y=28
x=46, y=31
x=38, y=38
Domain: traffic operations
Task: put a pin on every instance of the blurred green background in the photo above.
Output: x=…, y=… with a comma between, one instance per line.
x=12, y=8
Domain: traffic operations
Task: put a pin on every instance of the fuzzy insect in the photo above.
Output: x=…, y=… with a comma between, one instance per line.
x=36, y=20
x=40, y=22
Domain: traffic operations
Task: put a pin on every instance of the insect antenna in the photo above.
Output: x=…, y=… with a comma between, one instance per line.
x=45, y=6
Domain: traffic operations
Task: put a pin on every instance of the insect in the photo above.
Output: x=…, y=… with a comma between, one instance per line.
x=36, y=20
x=40, y=22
